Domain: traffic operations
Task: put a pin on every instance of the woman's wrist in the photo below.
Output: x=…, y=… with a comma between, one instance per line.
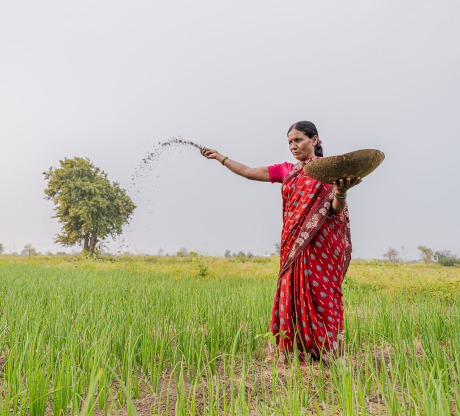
x=340, y=195
x=220, y=158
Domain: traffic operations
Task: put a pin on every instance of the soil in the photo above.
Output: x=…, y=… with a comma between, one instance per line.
x=147, y=402
x=350, y=165
x=143, y=175
x=147, y=162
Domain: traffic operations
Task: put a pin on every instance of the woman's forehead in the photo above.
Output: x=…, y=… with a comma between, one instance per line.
x=296, y=133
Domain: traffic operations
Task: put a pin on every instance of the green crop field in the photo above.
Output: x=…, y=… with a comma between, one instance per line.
x=178, y=336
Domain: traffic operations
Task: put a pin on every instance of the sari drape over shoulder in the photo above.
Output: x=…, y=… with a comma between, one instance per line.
x=315, y=254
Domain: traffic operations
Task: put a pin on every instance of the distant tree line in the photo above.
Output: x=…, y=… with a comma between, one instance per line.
x=443, y=257
x=30, y=250
x=240, y=255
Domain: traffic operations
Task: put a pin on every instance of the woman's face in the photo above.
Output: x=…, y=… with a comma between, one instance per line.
x=301, y=146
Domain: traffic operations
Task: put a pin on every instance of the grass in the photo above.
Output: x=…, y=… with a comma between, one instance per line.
x=160, y=336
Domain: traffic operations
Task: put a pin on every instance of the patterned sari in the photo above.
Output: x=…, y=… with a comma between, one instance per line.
x=315, y=253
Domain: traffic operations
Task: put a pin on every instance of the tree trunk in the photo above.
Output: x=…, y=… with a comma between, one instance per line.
x=86, y=242
x=92, y=244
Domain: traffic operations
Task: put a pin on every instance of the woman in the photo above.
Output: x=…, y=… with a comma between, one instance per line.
x=315, y=249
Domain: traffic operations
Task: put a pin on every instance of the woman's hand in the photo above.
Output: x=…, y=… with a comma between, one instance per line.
x=342, y=186
x=212, y=154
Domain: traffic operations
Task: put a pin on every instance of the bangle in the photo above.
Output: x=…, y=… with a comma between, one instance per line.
x=340, y=197
x=223, y=160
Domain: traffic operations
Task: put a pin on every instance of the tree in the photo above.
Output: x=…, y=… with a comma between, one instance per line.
x=444, y=254
x=426, y=253
x=2, y=249
x=28, y=250
x=278, y=248
x=160, y=252
x=249, y=255
x=449, y=261
x=228, y=254
x=392, y=254
x=183, y=252
x=89, y=206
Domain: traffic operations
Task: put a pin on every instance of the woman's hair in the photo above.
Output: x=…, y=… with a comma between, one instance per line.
x=309, y=129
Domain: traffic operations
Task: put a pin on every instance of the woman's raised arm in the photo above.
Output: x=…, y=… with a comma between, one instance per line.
x=256, y=174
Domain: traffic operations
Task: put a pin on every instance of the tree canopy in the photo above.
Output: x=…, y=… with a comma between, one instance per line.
x=444, y=254
x=89, y=207
x=28, y=250
x=392, y=254
x=426, y=253
x=183, y=252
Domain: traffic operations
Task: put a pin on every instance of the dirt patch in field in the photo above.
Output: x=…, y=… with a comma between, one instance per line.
x=253, y=386
x=263, y=382
x=150, y=404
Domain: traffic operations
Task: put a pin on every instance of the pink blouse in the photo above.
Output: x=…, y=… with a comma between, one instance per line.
x=279, y=172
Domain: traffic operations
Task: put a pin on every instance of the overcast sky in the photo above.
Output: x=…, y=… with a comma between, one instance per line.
x=108, y=80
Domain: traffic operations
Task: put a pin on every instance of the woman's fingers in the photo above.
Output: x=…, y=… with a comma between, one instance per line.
x=208, y=153
x=346, y=184
x=356, y=181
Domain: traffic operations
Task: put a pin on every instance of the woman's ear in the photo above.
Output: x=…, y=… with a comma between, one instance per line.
x=315, y=140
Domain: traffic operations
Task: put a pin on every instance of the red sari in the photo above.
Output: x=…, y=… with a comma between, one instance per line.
x=315, y=253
